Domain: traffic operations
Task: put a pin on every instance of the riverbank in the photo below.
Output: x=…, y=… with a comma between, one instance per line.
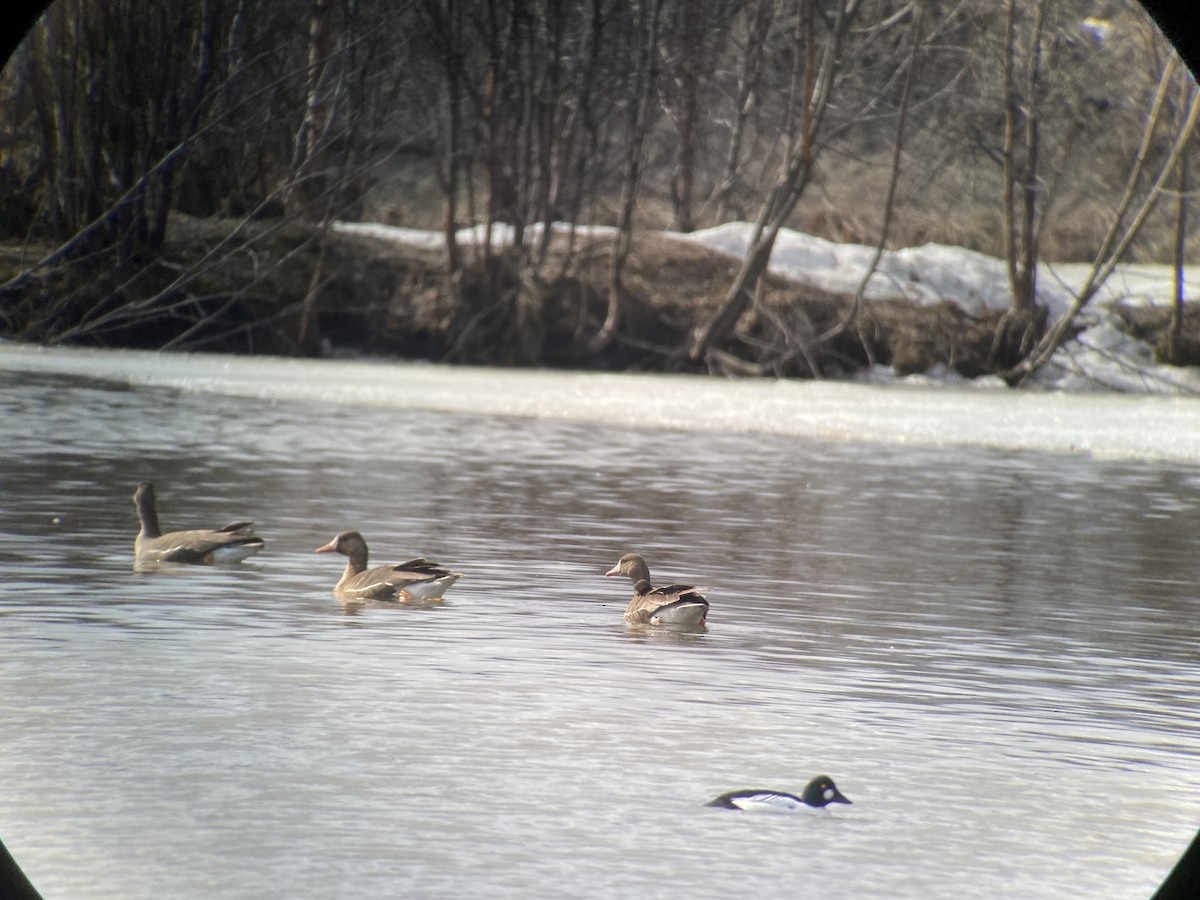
x=278, y=288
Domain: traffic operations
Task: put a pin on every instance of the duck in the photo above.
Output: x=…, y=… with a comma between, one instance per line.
x=232, y=543
x=417, y=579
x=817, y=794
x=675, y=604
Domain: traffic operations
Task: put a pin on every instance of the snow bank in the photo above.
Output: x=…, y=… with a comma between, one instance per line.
x=1102, y=357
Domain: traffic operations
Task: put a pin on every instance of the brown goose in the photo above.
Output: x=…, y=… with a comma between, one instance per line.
x=232, y=543
x=417, y=579
x=675, y=604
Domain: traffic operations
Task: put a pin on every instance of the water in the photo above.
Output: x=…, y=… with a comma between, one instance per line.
x=992, y=651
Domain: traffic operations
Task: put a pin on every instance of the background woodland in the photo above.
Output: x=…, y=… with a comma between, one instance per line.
x=170, y=171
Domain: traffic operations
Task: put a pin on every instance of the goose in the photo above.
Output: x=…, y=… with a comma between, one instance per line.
x=229, y=544
x=675, y=604
x=417, y=579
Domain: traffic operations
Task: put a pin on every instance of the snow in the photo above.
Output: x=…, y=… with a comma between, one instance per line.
x=1101, y=358
x=926, y=275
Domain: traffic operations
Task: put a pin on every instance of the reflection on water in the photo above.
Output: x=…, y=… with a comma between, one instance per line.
x=992, y=653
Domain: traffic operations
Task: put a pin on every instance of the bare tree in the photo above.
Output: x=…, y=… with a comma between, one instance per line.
x=758, y=21
x=1126, y=221
x=820, y=70
x=638, y=106
x=911, y=68
x=1173, y=352
x=1020, y=199
x=444, y=28
x=96, y=153
x=528, y=112
x=691, y=40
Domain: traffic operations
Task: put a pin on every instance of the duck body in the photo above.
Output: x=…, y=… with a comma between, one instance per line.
x=817, y=794
x=675, y=604
x=417, y=579
x=230, y=544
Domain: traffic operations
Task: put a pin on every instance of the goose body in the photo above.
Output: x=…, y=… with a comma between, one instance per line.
x=817, y=794
x=417, y=579
x=674, y=604
x=229, y=544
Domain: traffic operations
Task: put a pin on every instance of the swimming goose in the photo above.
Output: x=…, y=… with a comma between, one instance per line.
x=675, y=604
x=819, y=792
x=417, y=579
x=232, y=543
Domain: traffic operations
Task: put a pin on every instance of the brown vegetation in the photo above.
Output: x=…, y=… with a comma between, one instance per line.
x=886, y=122
x=385, y=299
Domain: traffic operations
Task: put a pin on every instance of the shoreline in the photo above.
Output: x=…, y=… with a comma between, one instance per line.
x=1119, y=426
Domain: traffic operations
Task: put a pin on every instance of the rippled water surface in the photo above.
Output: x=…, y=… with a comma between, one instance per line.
x=994, y=654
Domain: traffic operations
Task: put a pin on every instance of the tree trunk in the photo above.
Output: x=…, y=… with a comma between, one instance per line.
x=1120, y=235
x=749, y=79
x=316, y=112
x=1175, y=329
x=687, y=125
x=782, y=199
x=1020, y=192
x=912, y=65
x=641, y=101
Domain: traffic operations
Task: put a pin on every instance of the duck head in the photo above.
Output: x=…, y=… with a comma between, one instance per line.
x=351, y=544
x=821, y=791
x=633, y=567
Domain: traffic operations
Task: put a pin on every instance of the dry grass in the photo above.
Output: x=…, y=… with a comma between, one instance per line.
x=381, y=298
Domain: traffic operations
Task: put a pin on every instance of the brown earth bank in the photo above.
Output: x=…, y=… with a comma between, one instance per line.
x=288, y=289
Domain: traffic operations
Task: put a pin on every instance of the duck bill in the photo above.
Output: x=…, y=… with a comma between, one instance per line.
x=838, y=797
x=331, y=547
x=612, y=571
